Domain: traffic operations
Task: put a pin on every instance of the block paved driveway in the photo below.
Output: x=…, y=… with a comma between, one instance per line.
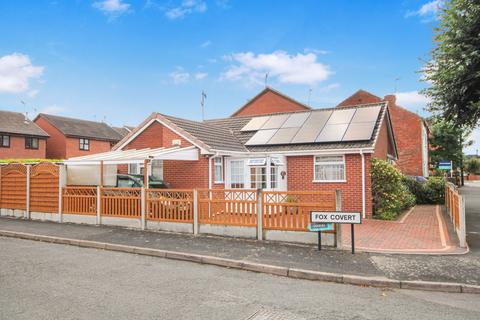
x=423, y=229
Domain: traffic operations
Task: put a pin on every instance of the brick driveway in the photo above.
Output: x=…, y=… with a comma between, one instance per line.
x=421, y=230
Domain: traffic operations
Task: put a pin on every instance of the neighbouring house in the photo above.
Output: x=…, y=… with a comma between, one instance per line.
x=71, y=137
x=318, y=150
x=21, y=138
x=411, y=133
x=269, y=101
x=123, y=131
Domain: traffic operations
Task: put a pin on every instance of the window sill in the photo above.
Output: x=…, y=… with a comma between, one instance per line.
x=329, y=181
x=218, y=182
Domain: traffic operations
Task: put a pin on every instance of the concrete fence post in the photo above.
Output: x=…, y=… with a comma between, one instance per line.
x=462, y=232
x=142, y=207
x=99, y=190
x=60, y=193
x=259, y=214
x=338, y=227
x=195, y=211
x=27, y=205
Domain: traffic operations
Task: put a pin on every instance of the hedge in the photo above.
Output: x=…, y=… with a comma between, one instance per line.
x=430, y=192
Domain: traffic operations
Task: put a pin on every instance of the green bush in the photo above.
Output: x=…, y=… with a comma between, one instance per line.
x=430, y=192
x=390, y=194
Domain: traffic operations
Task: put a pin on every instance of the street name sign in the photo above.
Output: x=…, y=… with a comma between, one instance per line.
x=335, y=217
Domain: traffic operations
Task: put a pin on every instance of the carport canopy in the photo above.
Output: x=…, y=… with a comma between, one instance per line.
x=136, y=156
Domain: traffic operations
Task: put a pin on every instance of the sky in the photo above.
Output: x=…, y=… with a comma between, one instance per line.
x=119, y=60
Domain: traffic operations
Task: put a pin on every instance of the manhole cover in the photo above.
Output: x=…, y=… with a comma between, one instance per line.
x=270, y=314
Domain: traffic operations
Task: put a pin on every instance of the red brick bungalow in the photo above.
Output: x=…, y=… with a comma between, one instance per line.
x=20, y=138
x=326, y=149
x=411, y=133
x=71, y=137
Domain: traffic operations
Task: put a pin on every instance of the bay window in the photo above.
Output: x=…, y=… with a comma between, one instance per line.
x=329, y=169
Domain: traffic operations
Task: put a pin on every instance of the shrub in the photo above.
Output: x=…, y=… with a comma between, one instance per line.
x=390, y=194
x=430, y=192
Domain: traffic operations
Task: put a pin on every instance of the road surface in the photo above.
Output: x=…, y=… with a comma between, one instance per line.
x=48, y=281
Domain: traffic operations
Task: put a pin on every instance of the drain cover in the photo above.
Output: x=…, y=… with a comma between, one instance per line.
x=270, y=314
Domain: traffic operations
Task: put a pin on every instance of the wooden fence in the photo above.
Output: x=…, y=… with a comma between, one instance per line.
x=13, y=186
x=79, y=200
x=120, y=202
x=44, y=188
x=227, y=207
x=455, y=206
x=291, y=210
x=173, y=205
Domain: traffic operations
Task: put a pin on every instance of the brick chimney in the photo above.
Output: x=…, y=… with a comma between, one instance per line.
x=391, y=98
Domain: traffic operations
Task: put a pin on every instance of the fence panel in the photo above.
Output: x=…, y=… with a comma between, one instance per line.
x=44, y=187
x=120, y=202
x=227, y=207
x=13, y=186
x=455, y=206
x=172, y=205
x=291, y=210
x=79, y=200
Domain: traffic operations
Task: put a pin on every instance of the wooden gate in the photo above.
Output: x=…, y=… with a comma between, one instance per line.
x=13, y=186
x=44, y=187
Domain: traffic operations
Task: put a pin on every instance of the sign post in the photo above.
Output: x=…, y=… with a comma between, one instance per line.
x=319, y=218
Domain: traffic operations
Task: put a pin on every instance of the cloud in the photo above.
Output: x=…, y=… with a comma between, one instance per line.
x=316, y=51
x=179, y=76
x=428, y=10
x=290, y=69
x=206, y=44
x=112, y=8
x=412, y=99
x=185, y=8
x=16, y=71
x=475, y=147
x=201, y=75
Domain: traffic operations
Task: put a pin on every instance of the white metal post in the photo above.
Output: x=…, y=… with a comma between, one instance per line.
x=27, y=209
x=462, y=232
x=338, y=227
x=195, y=211
x=98, y=204
x=259, y=214
x=142, y=207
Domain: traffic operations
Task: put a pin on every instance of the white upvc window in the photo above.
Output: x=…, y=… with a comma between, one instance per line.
x=218, y=169
x=258, y=177
x=237, y=174
x=329, y=169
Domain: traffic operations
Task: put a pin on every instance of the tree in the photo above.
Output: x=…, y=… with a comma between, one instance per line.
x=454, y=70
x=447, y=142
x=472, y=166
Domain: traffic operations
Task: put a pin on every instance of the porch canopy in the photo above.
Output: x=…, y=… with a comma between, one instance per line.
x=136, y=156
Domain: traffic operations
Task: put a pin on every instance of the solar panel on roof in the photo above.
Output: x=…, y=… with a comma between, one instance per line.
x=359, y=131
x=283, y=136
x=296, y=120
x=312, y=127
x=341, y=116
x=275, y=122
x=332, y=133
x=261, y=137
x=366, y=114
x=255, y=123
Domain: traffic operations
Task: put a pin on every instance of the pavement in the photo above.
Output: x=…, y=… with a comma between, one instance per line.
x=471, y=191
x=41, y=280
x=439, y=268
x=423, y=229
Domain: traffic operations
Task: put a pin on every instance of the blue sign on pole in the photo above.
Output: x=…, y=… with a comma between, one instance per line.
x=445, y=165
x=320, y=226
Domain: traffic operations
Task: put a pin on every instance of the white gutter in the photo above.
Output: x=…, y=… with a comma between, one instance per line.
x=363, y=184
x=296, y=153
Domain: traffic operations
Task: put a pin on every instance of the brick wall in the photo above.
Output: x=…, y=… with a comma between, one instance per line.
x=269, y=102
x=56, y=146
x=300, y=178
x=407, y=128
x=96, y=146
x=17, y=149
x=359, y=97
